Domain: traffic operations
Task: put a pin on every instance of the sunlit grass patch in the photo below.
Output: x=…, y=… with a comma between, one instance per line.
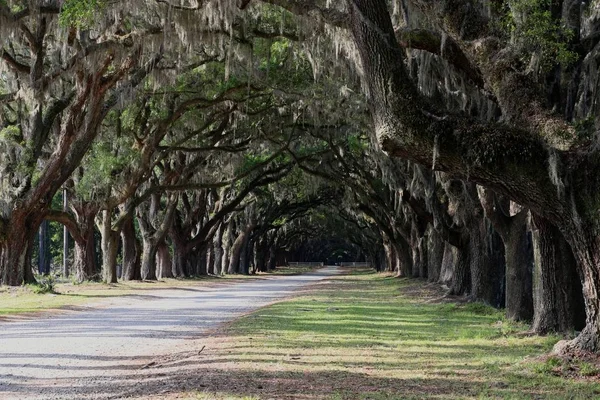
x=371, y=336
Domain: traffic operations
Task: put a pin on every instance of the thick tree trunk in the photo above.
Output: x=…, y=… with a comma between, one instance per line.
x=148, y=266
x=181, y=255
x=110, y=246
x=495, y=266
x=236, y=250
x=85, y=262
x=435, y=255
x=218, y=251
x=272, y=258
x=44, y=249
x=461, y=276
x=403, y=259
x=16, y=250
x=210, y=255
x=448, y=263
x=390, y=255
x=245, y=256
x=164, y=261
x=557, y=288
x=518, y=252
x=131, y=252
x=519, y=274
x=587, y=254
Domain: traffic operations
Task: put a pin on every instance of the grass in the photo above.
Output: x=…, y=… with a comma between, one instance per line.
x=49, y=294
x=369, y=336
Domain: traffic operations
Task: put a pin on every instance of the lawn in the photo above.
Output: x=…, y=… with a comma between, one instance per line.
x=371, y=336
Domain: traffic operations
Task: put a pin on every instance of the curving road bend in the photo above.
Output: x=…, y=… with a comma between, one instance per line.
x=88, y=354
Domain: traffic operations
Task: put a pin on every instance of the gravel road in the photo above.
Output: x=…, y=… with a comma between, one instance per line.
x=93, y=354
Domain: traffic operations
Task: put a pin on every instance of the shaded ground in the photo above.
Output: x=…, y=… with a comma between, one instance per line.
x=103, y=353
x=370, y=337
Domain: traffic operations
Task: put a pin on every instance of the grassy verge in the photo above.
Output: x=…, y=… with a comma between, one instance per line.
x=35, y=298
x=367, y=336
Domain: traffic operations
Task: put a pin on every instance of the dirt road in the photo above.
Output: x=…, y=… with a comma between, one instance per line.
x=104, y=352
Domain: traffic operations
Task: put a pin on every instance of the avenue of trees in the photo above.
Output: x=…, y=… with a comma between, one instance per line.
x=454, y=141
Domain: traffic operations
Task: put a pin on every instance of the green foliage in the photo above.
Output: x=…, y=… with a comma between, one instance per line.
x=80, y=13
x=532, y=25
x=104, y=164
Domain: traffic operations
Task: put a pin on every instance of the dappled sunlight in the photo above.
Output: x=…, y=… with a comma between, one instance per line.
x=361, y=342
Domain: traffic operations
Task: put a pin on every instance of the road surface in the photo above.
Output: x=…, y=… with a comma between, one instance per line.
x=100, y=353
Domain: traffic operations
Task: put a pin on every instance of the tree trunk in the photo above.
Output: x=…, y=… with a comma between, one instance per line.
x=164, y=261
x=557, y=288
x=181, y=260
x=16, y=249
x=110, y=247
x=210, y=255
x=518, y=253
x=461, y=276
x=148, y=266
x=131, y=252
x=448, y=263
x=519, y=274
x=44, y=249
x=236, y=250
x=85, y=250
x=586, y=248
x=218, y=251
x=201, y=262
x=435, y=256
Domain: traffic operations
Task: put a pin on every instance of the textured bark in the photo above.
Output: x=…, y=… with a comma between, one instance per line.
x=181, y=254
x=148, y=263
x=403, y=258
x=110, y=246
x=85, y=263
x=218, y=251
x=236, y=250
x=507, y=159
x=44, y=249
x=461, y=277
x=435, y=255
x=16, y=249
x=519, y=256
x=448, y=262
x=164, y=261
x=131, y=252
x=559, y=303
x=227, y=238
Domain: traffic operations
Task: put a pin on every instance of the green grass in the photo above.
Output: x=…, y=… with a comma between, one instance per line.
x=367, y=336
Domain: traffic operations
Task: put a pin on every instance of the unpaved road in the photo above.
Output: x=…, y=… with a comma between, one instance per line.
x=103, y=353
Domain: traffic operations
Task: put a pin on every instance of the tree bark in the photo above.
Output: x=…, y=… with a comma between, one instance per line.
x=519, y=256
x=44, y=249
x=461, y=276
x=164, y=261
x=558, y=293
x=110, y=247
x=131, y=251
x=218, y=250
x=16, y=250
x=435, y=256
x=448, y=263
x=85, y=263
